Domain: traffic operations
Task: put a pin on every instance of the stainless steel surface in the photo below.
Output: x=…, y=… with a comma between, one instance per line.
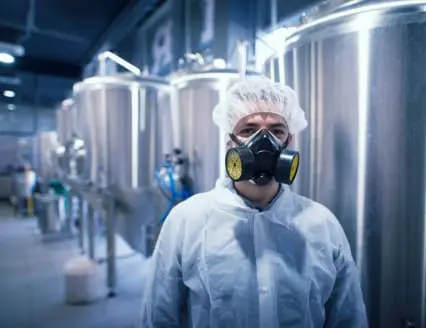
x=360, y=79
x=48, y=218
x=71, y=153
x=69, y=220
x=126, y=129
x=47, y=145
x=194, y=97
x=64, y=121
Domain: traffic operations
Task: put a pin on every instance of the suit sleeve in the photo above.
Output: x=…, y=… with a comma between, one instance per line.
x=345, y=308
x=164, y=293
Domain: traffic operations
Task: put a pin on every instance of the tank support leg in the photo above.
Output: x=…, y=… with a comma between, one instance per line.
x=81, y=224
x=69, y=215
x=111, y=252
x=91, y=231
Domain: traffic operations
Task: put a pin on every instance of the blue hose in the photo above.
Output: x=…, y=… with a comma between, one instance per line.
x=176, y=196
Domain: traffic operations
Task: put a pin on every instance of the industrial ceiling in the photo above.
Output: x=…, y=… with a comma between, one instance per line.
x=58, y=38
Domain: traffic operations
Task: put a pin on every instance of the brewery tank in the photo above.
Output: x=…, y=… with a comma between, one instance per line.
x=194, y=96
x=124, y=122
x=47, y=144
x=359, y=76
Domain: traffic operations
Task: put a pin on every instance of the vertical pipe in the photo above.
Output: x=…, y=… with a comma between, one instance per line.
x=81, y=225
x=242, y=58
x=102, y=69
x=187, y=28
x=274, y=15
x=91, y=231
x=68, y=220
x=136, y=124
x=111, y=253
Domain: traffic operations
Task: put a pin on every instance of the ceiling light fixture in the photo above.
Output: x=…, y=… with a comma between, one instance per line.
x=11, y=107
x=6, y=58
x=9, y=93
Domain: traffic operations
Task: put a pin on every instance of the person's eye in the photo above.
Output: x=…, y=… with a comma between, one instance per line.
x=278, y=132
x=246, y=132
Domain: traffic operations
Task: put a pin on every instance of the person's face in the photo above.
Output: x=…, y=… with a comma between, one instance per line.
x=249, y=125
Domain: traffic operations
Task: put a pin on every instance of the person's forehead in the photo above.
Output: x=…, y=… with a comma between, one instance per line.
x=261, y=119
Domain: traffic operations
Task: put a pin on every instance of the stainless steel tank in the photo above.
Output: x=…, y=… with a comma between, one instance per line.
x=360, y=77
x=194, y=97
x=125, y=126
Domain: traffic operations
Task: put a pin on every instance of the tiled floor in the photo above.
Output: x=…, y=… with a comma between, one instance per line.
x=32, y=281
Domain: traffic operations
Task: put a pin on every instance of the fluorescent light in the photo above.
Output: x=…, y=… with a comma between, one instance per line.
x=6, y=58
x=11, y=107
x=9, y=93
x=13, y=49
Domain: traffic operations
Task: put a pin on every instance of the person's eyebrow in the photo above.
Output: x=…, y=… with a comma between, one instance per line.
x=277, y=126
x=248, y=125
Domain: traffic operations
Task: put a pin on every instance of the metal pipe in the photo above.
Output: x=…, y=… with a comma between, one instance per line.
x=102, y=57
x=81, y=225
x=91, y=231
x=274, y=15
x=68, y=220
x=111, y=252
x=187, y=16
x=242, y=58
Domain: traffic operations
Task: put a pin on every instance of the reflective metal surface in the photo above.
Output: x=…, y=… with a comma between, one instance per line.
x=64, y=121
x=361, y=80
x=194, y=98
x=47, y=145
x=125, y=126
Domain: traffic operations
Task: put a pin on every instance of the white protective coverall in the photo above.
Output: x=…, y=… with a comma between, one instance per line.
x=219, y=262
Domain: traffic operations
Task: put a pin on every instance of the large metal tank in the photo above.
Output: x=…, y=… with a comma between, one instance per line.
x=194, y=97
x=126, y=129
x=360, y=77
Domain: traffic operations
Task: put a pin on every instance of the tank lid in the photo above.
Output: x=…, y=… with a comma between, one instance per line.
x=217, y=73
x=349, y=11
x=123, y=79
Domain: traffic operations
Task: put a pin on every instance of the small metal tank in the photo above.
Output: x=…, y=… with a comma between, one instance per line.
x=125, y=125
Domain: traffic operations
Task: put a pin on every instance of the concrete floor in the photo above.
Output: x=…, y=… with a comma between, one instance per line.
x=32, y=281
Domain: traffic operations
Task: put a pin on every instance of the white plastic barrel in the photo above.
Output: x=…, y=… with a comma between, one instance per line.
x=83, y=283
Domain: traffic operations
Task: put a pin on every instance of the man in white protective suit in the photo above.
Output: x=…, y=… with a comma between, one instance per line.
x=250, y=252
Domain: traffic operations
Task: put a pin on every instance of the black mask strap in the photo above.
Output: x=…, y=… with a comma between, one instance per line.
x=285, y=145
x=235, y=139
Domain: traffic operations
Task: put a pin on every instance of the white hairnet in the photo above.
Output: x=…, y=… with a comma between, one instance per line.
x=258, y=94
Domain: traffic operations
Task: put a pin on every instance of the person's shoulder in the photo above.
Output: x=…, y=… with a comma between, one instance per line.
x=311, y=214
x=195, y=207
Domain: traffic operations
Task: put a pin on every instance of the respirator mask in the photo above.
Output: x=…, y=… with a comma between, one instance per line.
x=260, y=159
